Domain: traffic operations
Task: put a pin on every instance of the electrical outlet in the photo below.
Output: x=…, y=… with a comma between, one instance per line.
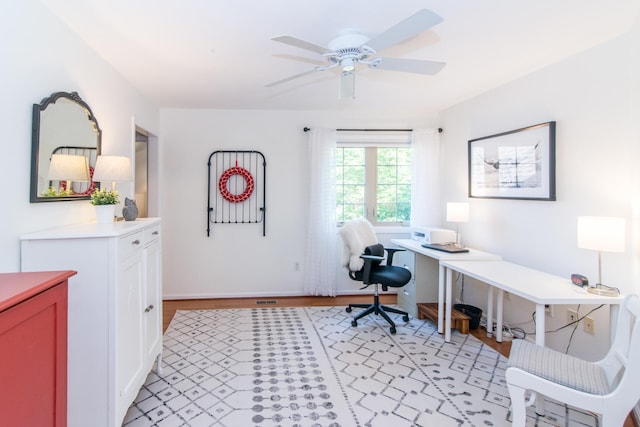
x=589, y=325
x=548, y=308
x=296, y=266
x=572, y=316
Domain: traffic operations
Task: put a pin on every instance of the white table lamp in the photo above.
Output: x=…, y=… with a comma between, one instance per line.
x=112, y=168
x=457, y=212
x=66, y=167
x=601, y=234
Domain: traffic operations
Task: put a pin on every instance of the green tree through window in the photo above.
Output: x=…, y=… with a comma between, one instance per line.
x=375, y=183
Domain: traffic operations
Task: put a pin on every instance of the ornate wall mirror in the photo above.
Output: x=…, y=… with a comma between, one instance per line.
x=64, y=128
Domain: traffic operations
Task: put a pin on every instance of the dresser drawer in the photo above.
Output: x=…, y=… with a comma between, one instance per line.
x=130, y=243
x=151, y=234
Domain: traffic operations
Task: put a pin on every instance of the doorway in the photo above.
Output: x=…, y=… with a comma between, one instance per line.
x=141, y=179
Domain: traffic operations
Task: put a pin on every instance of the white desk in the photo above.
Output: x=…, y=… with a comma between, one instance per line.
x=444, y=276
x=536, y=286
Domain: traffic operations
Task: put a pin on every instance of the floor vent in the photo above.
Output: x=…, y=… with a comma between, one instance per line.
x=266, y=301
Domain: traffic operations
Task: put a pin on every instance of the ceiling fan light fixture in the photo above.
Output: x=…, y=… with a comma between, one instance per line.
x=348, y=64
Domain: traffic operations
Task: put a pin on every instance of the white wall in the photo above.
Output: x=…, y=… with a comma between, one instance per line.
x=594, y=98
x=41, y=56
x=236, y=260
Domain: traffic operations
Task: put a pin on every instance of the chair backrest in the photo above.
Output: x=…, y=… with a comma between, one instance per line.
x=622, y=363
x=356, y=235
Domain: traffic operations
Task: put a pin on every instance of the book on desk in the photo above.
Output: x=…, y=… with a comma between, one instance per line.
x=446, y=247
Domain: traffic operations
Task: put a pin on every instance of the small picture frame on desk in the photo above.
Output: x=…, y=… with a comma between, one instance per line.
x=519, y=164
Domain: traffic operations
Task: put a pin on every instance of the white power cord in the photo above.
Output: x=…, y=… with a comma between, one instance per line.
x=507, y=333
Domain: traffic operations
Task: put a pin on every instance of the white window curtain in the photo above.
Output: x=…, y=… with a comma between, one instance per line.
x=321, y=258
x=425, y=178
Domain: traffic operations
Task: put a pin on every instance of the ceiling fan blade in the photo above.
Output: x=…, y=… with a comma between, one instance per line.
x=347, y=85
x=292, y=41
x=295, y=76
x=417, y=66
x=413, y=25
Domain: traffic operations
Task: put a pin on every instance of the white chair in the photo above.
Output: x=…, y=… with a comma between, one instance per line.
x=609, y=387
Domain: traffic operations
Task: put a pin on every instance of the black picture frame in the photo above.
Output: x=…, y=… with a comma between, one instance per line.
x=518, y=164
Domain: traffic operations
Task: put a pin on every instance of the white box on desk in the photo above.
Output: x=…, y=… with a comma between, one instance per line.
x=432, y=235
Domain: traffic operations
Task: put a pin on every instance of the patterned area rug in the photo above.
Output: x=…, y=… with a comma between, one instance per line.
x=309, y=367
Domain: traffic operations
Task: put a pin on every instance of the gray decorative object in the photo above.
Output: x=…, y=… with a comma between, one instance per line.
x=130, y=210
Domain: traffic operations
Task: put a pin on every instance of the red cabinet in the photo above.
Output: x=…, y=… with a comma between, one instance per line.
x=33, y=348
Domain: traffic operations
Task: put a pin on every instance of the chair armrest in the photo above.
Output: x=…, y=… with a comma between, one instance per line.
x=368, y=262
x=391, y=252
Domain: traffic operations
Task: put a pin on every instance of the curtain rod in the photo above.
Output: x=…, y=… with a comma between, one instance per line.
x=307, y=129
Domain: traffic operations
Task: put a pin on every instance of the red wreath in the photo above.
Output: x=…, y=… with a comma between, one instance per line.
x=224, y=178
x=88, y=191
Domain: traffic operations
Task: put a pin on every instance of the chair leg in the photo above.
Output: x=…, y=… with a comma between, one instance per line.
x=377, y=308
x=518, y=408
x=351, y=306
x=405, y=315
x=369, y=309
x=613, y=419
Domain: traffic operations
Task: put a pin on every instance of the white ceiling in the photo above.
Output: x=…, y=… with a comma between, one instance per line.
x=219, y=53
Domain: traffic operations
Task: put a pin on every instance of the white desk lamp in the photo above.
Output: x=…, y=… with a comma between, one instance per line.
x=457, y=212
x=66, y=167
x=112, y=168
x=602, y=234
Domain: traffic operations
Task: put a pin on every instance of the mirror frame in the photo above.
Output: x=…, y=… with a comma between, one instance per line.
x=35, y=143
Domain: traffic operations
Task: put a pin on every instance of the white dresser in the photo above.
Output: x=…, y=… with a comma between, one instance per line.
x=115, y=311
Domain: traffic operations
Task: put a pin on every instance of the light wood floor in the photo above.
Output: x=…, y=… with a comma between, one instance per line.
x=170, y=307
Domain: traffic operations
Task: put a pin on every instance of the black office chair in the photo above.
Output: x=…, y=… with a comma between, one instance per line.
x=374, y=273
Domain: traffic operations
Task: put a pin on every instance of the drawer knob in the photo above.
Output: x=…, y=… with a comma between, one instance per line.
x=155, y=233
x=135, y=242
x=148, y=309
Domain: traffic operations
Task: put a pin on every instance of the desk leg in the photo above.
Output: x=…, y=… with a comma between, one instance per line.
x=499, y=315
x=490, y=312
x=540, y=325
x=447, y=317
x=614, y=310
x=441, y=275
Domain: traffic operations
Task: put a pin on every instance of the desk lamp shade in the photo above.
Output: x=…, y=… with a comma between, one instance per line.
x=457, y=212
x=602, y=234
x=112, y=168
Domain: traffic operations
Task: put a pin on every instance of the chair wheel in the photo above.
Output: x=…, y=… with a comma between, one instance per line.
x=392, y=330
x=348, y=309
x=405, y=318
x=354, y=323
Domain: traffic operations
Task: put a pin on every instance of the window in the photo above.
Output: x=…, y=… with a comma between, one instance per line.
x=374, y=177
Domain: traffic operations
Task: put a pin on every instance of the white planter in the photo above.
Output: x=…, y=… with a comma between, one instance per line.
x=105, y=213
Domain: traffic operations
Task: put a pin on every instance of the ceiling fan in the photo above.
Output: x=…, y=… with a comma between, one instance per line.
x=352, y=48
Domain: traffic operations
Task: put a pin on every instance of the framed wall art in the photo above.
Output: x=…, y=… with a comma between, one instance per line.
x=519, y=164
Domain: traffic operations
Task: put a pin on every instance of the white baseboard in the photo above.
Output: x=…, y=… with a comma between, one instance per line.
x=261, y=295
x=635, y=414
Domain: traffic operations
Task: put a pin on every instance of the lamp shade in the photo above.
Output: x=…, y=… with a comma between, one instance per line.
x=604, y=234
x=66, y=167
x=457, y=212
x=112, y=168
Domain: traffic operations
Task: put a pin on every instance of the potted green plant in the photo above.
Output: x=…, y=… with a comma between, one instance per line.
x=105, y=202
